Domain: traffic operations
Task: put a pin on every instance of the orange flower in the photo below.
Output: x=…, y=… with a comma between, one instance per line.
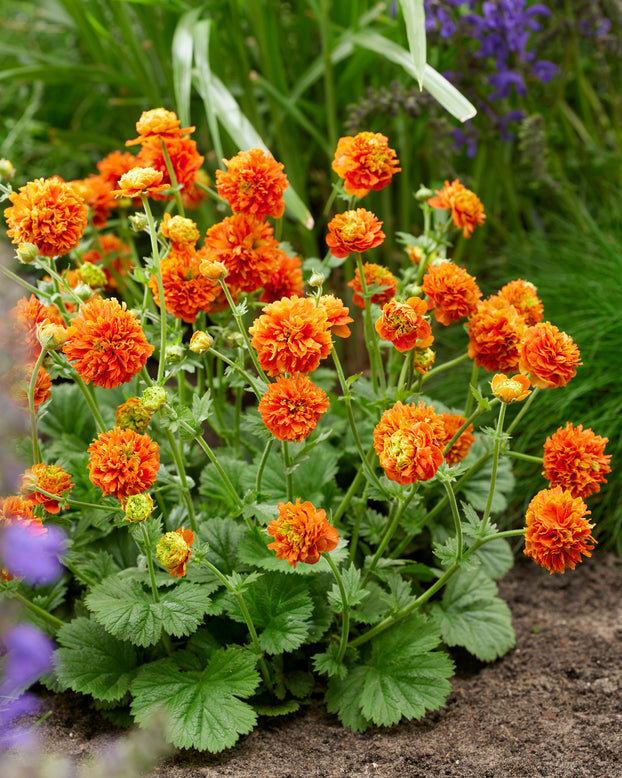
x=462, y=446
x=51, y=478
x=15, y=508
x=495, y=332
x=291, y=336
x=253, y=183
x=365, y=162
x=423, y=359
x=522, y=295
x=115, y=165
x=510, y=390
x=574, y=458
x=25, y=320
x=173, y=551
x=357, y=230
x=378, y=277
x=557, y=532
x=18, y=380
x=411, y=454
x=246, y=246
x=185, y=161
x=466, y=208
x=286, y=279
x=107, y=343
x=48, y=213
x=337, y=315
x=132, y=415
x=96, y=192
x=139, y=180
x=179, y=230
x=186, y=290
x=451, y=291
x=291, y=408
x=401, y=417
x=301, y=533
x=404, y=324
x=114, y=255
x=548, y=356
x=158, y=123
x=122, y=462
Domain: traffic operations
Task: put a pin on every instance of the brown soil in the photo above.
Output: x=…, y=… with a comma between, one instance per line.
x=551, y=708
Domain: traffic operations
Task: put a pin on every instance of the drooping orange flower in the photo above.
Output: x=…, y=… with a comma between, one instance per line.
x=337, y=314
x=253, y=183
x=495, y=332
x=186, y=290
x=106, y=343
x=523, y=296
x=48, y=213
x=357, y=230
x=411, y=454
x=510, y=389
x=423, y=359
x=173, y=551
x=132, y=415
x=96, y=192
x=403, y=417
x=301, y=533
x=24, y=321
x=462, y=446
x=247, y=248
x=404, y=324
x=113, y=255
x=365, y=162
x=285, y=281
x=18, y=380
x=291, y=336
x=378, y=277
x=15, y=508
x=115, y=165
x=122, y=462
x=452, y=292
x=158, y=123
x=548, y=356
x=139, y=180
x=574, y=458
x=51, y=478
x=292, y=407
x=185, y=161
x=466, y=208
x=179, y=230
x=557, y=532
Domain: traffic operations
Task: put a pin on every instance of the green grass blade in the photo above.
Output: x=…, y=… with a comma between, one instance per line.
x=182, y=56
x=203, y=80
x=60, y=74
x=414, y=19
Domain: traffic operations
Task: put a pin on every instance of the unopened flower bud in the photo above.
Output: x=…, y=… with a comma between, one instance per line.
x=200, y=342
x=138, y=222
x=423, y=359
x=27, y=252
x=173, y=551
x=234, y=338
x=83, y=291
x=153, y=398
x=412, y=290
x=416, y=254
x=51, y=336
x=93, y=275
x=423, y=194
x=173, y=354
x=138, y=507
x=213, y=270
x=317, y=279
x=7, y=171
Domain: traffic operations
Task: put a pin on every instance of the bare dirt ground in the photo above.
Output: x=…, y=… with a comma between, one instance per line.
x=551, y=708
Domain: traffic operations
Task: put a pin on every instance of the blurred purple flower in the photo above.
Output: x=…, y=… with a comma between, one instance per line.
x=503, y=83
x=544, y=70
x=31, y=554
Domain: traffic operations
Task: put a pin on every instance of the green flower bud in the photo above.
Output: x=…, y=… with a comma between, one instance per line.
x=138, y=507
x=138, y=222
x=27, y=253
x=7, y=171
x=93, y=275
x=153, y=398
x=173, y=354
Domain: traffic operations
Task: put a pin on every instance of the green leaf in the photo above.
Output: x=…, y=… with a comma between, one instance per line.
x=201, y=408
x=471, y=615
x=212, y=486
x=496, y=558
x=203, y=708
x=343, y=698
x=280, y=709
x=414, y=18
x=375, y=606
x=326, y=662
x=181, y=60
x=91, y=661
x=223, y=537
x=68, y=411
x=351, y=578
x=476, y=489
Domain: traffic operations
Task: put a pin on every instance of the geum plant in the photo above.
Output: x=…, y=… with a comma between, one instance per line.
x=248, y=524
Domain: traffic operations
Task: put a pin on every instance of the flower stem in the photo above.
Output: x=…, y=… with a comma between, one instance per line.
x=240, y=324
x=287, y=467
x=147, y=550
x=375, y=359
x=78, y=503
x=445, y=366
x=495, y=464
x=469, y=399
x=181, y=472
x=40, y=612
x=456, y=514
x=525, y=457
x=262, y=465
x=173, y=177
x=345, y=614
x=32, y=411
x=523, y=410
x=155, y=252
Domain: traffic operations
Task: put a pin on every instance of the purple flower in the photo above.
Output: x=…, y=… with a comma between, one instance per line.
x=544, y=70
x=32, y=554
x=503, y=83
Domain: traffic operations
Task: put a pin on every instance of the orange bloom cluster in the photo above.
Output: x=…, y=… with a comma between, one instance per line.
x=186, y=290
x=173, y=551
x=25, y=319
x=185, y=161
x=106, y=343
x=452, y=423
x=115, y=257
x=122, y=462
x=337, y=315
x=301, y=533
x=247, y=248
x=286, y=279
x=451, y=292
x=115, y=165
x=132, y=415
x=574, y=458
x=408, y=441
x=522, y=295
x=291, y=336
x=495, y=332
x=253, y=183
x=139, y=180
x=291, y=408
x=51, y=478
x=404, y=324
x=18, y=380
x=548, y=356
x=365, y=162
x=48, y=213
x=158, y=123
x=357, y=230
x=510, y=390
x=376, y=276
x=466, y=208
x=557, y=532
x=180, y=230
x=96, y=192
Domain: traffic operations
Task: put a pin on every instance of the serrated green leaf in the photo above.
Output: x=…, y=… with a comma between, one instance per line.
x=223, y=536
x=211, y=484
x=375, y=606
x=280, y=709
x=351, y=578
x=91, y=661
x=201, y=408
x=343, y=698
x=182, y=608
x=326, y=662
x=68, y=411
x=496, y=558
x=203, y=708
x=125, y=609
x=476, y=489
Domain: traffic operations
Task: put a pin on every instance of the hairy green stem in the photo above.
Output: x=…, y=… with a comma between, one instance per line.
x=32, y=411
x=495, y=464
x=456, y=515
x=147, y=549
x=262, y=465
x=155, y=252
x=345, y=614
x=375, y=359
x=472, y=382
x=287, y=468
x=240, y=324
x=40, y=612
x=181, y=472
